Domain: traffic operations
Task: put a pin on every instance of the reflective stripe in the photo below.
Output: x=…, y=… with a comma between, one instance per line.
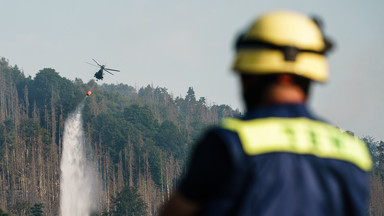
x=300, y=136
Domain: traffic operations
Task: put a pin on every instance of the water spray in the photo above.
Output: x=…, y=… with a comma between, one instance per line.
x=78, y=185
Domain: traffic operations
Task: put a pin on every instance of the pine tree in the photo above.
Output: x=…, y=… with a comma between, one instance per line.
x=128, y=202
x=37, y=209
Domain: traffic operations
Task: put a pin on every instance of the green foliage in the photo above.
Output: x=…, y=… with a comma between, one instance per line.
x=170, y=139
x=114, y=132
x=11, y=74
x=146, y=92
x=49, y=88
x=142, y=118
x=154, y=155
x=44, y=85
x=190, y=95
x=37, y=209
x=3, y=213
x=122, y=89
x=224, y=111
x=129, y=203
x=8, y=133
x=29, y=130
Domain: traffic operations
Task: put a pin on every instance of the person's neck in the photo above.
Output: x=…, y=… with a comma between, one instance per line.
x=285, y=94
x=281, y=94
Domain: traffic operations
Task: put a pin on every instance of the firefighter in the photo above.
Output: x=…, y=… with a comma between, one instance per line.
x=279, y=158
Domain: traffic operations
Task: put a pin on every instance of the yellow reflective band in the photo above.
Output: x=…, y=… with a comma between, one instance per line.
x=299, y=136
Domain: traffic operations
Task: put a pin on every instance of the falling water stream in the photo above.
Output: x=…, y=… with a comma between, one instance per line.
x=78, y=176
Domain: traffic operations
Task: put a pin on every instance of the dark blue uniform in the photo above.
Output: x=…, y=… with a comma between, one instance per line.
x=278, y=160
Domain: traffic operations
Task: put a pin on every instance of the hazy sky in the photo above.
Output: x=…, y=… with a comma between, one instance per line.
x=177, y=44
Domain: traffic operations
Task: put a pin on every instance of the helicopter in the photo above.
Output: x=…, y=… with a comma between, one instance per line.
x=99, y=74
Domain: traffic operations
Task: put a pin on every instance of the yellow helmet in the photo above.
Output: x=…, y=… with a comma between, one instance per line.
x=283, y=42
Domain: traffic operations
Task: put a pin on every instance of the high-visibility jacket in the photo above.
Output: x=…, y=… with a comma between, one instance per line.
x=279, y=161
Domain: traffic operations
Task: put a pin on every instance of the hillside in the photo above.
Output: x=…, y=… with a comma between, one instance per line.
x=140, y=140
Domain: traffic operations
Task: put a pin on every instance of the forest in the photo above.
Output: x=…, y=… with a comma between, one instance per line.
x=140, y=140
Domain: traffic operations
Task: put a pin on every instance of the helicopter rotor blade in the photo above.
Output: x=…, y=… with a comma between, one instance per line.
x=111, y=69
x=108, y=72
x=96, y=62
x=91, y=64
